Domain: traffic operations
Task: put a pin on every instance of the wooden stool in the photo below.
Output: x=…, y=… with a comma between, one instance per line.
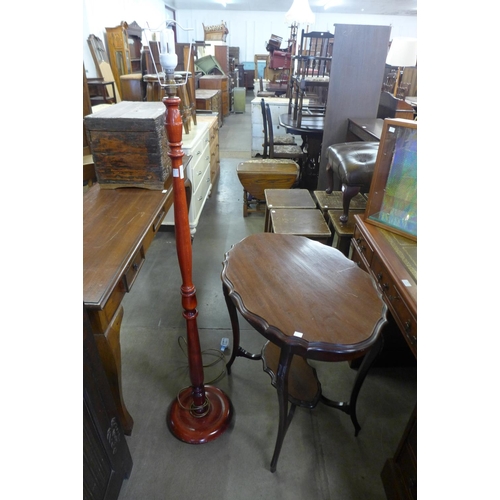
x=353, y=164
x=300, y=222
x=343, y=231
x=258, y=175
x=286, y=198
x=333, y=201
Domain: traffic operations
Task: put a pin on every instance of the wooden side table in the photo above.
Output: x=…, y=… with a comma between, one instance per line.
x=333, y=201
x=299, y=324
x=286, y=198
x=342, y=232
x=300, y=222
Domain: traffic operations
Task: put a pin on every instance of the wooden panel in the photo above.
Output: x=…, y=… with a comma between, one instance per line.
x=358, y=63
x=106, y=456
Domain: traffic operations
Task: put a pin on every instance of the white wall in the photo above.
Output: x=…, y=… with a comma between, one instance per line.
x=99, y=14
x=250, y=31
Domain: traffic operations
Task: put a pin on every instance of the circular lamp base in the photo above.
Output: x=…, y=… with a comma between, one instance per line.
x=198, y=430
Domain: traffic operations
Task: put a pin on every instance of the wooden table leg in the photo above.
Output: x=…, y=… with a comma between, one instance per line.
x=285, y=416
x=237, y=350
x=350, y=406
x=109, y=349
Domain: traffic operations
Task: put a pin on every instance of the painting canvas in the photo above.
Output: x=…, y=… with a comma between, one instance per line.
x=394, y=203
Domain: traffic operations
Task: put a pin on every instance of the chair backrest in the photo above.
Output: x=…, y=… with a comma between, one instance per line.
x=264, y=129
x=270, y=131
x=316, y=48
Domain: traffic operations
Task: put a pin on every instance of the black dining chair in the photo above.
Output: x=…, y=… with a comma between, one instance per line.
x=291, y=152
x=279, y=140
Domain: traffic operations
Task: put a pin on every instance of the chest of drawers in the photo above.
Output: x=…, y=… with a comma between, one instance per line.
x=213, y=132
x=197, y=145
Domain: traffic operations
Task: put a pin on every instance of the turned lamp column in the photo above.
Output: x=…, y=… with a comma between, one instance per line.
x=199, y=413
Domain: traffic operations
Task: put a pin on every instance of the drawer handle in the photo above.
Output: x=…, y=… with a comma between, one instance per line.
x=198, y=153
x=379, y=276
x=385, y=286
x=199, y=172
x=157, y=222
x=411, y=338
x=135, y=267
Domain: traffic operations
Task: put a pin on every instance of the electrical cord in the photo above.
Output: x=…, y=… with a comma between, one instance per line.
x=208, y=352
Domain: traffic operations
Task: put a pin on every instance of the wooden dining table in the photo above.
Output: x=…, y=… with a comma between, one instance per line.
x=311, y=132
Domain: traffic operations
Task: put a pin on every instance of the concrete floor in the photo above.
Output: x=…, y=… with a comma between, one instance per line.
x=320, y=459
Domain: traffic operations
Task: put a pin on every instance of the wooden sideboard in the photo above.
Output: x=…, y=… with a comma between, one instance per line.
x=392, y=261
x=118, y=228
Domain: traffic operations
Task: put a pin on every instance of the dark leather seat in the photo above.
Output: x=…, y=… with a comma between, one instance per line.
x=353, y=163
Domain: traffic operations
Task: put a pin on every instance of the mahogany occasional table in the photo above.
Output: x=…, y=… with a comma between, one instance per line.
x=311, y=302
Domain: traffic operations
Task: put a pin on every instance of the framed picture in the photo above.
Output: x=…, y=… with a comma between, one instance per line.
x=392, y=201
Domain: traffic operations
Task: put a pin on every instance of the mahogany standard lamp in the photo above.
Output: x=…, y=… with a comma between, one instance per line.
x=200, y=413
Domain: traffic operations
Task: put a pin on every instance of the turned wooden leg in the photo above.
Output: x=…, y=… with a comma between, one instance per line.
x=245, y=204
x=329, y=178
x=349, y=192
x=110, y=353
x=285, y=417
x=237, y=350
x=360, y=377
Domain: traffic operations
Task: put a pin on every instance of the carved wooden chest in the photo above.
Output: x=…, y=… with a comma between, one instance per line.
x=129, y=145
